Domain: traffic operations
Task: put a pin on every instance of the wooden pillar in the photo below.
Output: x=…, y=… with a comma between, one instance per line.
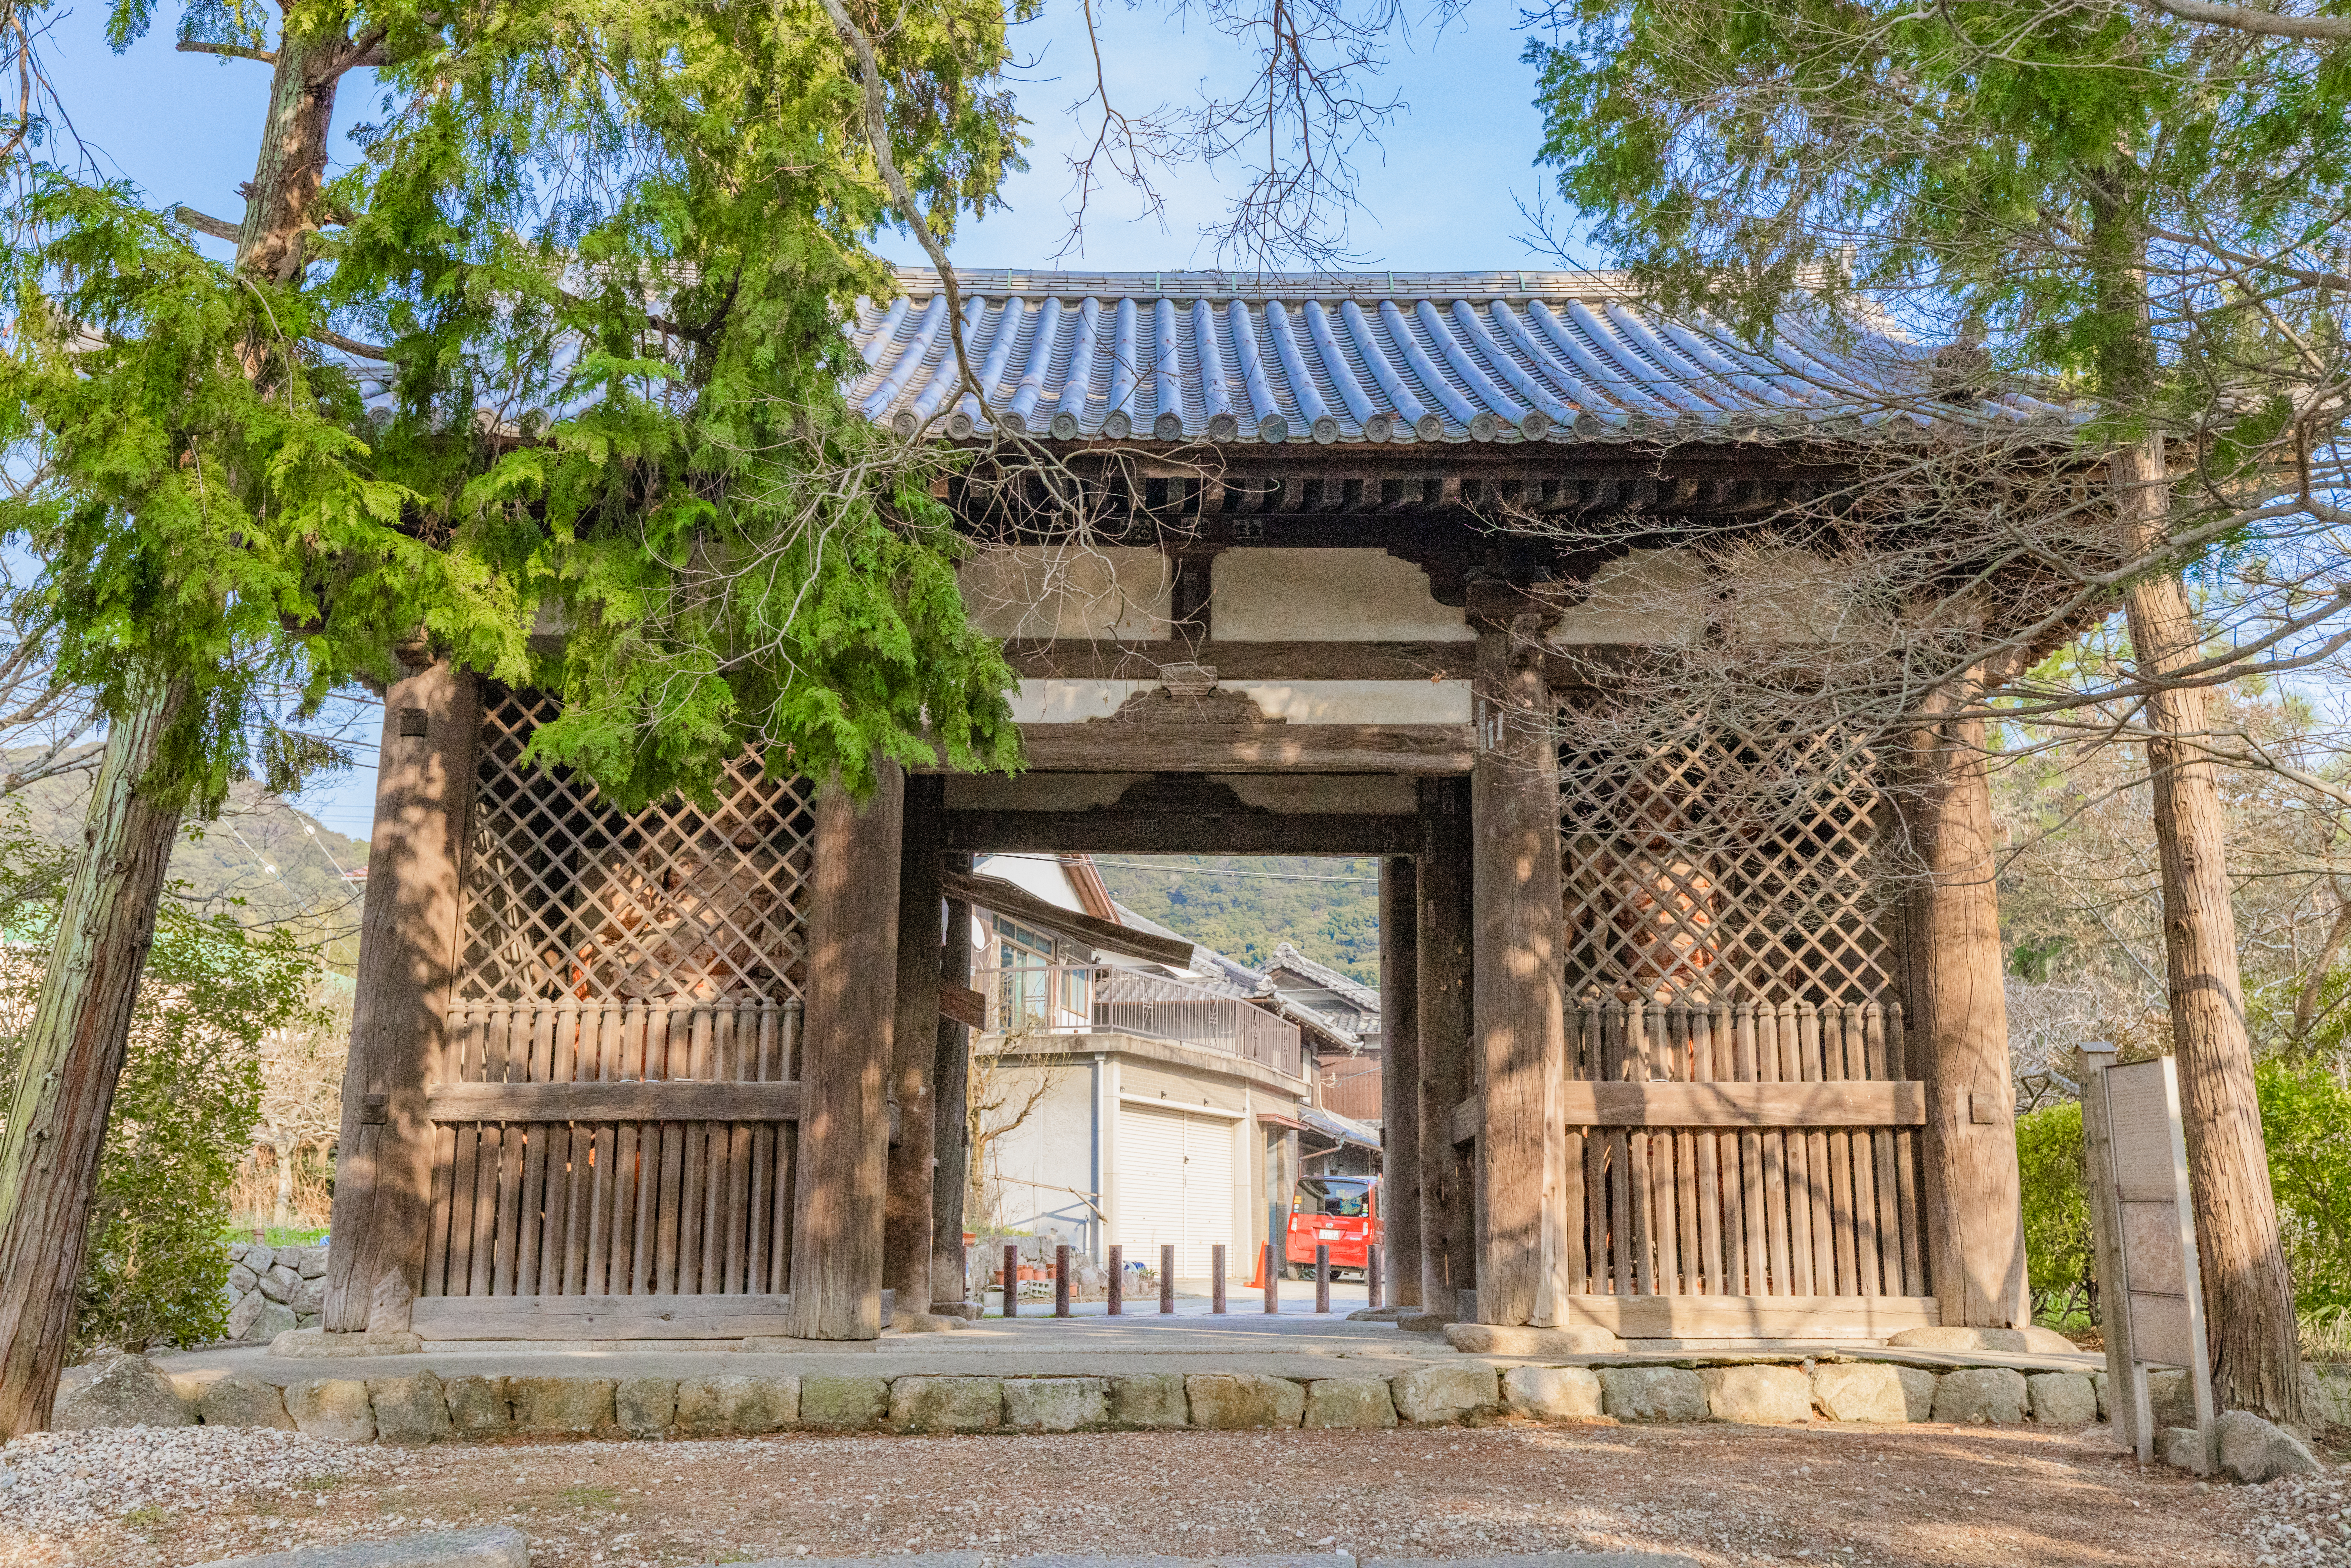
x=409, y=941
x=950, y=1130
x=1447, y=1261
x=906, y=1228
x=1959, y=1017
x=1518, y=1027
x=845, y=1063
x=1400, y=1072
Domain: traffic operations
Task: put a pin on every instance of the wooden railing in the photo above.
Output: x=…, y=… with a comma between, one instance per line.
x=636, y=1148
x=1075, y=998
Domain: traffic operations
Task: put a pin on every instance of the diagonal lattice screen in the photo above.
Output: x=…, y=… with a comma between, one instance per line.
x=1707, y=863
x=567, y=896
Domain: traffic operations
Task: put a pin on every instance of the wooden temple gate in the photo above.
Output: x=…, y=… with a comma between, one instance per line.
x=1650, y=1062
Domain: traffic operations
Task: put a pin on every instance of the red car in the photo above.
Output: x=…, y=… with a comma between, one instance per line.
x=1342, y=1213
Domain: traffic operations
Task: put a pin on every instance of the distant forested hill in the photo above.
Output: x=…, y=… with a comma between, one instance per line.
x=1277, y=898
x=261, y=862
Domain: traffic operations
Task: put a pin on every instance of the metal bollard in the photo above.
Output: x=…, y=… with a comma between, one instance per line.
x=1117, y=1281
x=1167, y=1279
x=1372, y=1277
x=1061, y=1280
x=1012, y=1279
x=1272, y=1282
x=1321, y=1276
x=1217, y=1279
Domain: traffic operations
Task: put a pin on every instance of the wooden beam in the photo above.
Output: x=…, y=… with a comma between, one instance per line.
x=1447, y=1261
x=907, y=1222
x=951, y=1082
x=1081, y=659
x=1960, y=1030
x=607, y=1317
x=1108, y=831
x=1101, y=746
x=672, y=1100
x=1850, y=1103
x=1010, y=898
x=409, y=941
x=845, y=1058
x=1750, y=1317
x=1517, y=1026
x=1400, y=1076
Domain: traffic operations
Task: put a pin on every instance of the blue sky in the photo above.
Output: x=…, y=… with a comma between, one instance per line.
x=1440, y=192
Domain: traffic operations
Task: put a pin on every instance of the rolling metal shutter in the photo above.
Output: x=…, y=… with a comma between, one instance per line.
x=1175, y=1186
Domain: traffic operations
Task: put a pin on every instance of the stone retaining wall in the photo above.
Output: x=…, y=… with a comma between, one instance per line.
x=274, y=1289
x=423, y=1407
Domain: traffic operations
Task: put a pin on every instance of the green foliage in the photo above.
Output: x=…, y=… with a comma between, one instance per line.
x=612, y=250
x=2307, y=1124
x=1245, y=917
x=184, y=1108
x=1997, y=162
x=2060, y=1257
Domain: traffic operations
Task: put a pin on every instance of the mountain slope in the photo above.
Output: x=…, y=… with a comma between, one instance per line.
x=1246, y=905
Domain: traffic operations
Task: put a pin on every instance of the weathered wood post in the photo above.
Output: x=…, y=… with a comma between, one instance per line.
x=1400, y=1070
x=1960, y=1028
x=1518, y=991
x=951, y=1099
x=1447, y=1261
x=845, y=1060
x=409, y=939
x=906, y=1234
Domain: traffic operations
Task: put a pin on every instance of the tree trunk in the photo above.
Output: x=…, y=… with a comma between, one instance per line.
x=951, y=1112
x=2248, y=1296
x=283, y=1218
x=73, y=1056
x=74, y=1051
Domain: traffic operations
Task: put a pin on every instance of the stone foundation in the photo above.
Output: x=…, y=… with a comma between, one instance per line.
x=422, y=1408
x=274, y=1289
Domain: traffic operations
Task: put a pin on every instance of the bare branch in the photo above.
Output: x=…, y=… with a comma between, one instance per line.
x=204, y=223
x=226, y=51
x=2245, y=19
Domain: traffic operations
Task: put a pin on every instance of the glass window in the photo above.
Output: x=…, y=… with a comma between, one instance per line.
x=1332, y=1196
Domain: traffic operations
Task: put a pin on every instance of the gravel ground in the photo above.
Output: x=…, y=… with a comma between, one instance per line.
x=1857, y=1495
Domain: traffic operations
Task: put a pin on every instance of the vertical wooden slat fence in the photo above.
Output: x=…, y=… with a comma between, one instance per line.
x=616, y=1207
x=1766, y=1203
x=624, y=979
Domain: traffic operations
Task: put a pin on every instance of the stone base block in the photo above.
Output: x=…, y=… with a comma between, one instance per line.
x=1446, y=1392
x=1758, y=1396
x=1652, y=1394
x=128, y=1391
x=644, y=1407
x=2251, y=1449
x=844, y=1404
x=1235, y=1401
x=1055, y=1404
x=734, y=1405
x=332, y=1407
x=947, y=1404
x=1499, y=1338
x=409, y=1411
x=242, y=1399
x=1152, y=1399
x=1552, y=1393
x=1867, y=1391
x=1976, y=1394
x=2061, y=1398
x=1349, y=1404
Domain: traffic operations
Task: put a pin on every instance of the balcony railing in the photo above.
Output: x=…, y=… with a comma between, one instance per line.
x=1090, y=999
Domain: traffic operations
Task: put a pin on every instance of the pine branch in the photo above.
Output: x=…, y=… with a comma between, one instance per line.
x=204, y=223
x=228, y=51
x=349, y=345
x=2245, y=19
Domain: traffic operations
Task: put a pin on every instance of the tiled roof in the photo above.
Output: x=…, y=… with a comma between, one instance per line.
x=1287, y=957
x=1362, y=357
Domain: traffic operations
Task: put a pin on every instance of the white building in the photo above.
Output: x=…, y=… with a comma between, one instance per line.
x=1128, y=1095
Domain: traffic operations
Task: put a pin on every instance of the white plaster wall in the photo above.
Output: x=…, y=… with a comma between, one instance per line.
x=1327, y=596
x=1072, y=701
x=1041, y=874
x=1068, y=591
x=1052, y=1149
x=1654, y=598
x=1359, y=702
x=1788, y=595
